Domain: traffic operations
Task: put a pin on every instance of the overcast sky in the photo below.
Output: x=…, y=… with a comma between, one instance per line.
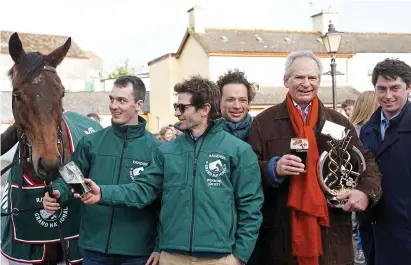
x=142, y=30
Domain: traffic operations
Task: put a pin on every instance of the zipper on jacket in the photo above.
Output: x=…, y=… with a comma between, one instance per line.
x=118, y=180
x=193, y=189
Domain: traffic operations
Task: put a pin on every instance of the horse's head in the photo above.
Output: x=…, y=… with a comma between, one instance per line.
x=37, y=105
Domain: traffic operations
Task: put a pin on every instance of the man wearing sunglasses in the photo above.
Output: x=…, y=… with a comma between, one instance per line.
x=210, y=183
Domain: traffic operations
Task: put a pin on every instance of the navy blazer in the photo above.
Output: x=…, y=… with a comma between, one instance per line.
x=392, y=215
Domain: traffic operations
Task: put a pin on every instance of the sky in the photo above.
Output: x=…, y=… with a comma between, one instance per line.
x=142, y=30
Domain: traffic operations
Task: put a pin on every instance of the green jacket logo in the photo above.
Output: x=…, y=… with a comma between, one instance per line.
x=135, y=172
x=216, y=168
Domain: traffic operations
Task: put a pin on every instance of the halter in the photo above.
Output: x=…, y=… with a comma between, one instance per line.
x=28, y=156
x=26, y=147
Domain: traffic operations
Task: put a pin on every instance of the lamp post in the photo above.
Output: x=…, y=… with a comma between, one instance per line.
x=332, y=40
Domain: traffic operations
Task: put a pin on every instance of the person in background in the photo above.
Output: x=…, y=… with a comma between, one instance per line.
x=94, y=116
x=364, y=107
x=166, y=134
x=348, y=106
x=388, y=135
x=236, y=94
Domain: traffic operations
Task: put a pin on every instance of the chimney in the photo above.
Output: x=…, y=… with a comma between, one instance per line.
x=322, y=20
x=197, y=19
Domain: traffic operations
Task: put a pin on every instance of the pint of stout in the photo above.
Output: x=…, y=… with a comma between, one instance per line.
x=73, y=176
x=299, y=147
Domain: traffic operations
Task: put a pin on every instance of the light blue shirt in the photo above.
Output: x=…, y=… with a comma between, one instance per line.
x=385, y=123
x=305, y=112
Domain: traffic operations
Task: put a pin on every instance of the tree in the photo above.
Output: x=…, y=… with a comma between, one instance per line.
x=122, y=71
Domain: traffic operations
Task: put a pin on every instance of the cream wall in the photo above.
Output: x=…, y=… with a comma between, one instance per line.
x=163, y=76
x=361, y=66
x=268, y=71
x=193, y=60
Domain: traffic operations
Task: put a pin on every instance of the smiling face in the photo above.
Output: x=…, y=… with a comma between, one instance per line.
x=392, y=94
x=234, y=102
x=190, y=118
x=304, y=81
x=123, y=106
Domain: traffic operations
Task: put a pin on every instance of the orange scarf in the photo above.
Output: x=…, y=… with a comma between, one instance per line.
x=309, y=209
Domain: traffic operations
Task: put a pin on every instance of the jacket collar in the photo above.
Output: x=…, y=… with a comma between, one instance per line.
x=213, y=127
x=402, y=122
x=131, y=131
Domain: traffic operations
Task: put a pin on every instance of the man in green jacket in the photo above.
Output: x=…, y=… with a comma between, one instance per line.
x=115, y=155
x=210, y=184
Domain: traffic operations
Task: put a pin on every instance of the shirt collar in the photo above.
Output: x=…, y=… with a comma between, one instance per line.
x=384, y=120
x=299, y=107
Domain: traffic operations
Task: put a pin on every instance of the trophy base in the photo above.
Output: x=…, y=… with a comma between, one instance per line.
x=334, y=203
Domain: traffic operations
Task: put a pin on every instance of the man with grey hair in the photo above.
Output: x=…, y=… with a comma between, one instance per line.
x=298, y=225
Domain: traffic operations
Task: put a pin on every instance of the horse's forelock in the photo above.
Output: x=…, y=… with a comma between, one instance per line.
x=31, y=64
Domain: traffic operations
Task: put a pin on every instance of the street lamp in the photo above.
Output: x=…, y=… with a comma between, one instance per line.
x=332, y=40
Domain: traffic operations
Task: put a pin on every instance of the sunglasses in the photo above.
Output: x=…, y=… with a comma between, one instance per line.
x=181, y=107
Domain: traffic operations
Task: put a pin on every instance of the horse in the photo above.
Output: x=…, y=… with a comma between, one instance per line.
x=47, y=136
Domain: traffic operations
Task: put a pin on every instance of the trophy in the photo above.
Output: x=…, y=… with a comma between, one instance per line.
x=340, y=167
x=73, y=176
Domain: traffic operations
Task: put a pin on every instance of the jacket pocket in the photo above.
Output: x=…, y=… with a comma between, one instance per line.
x=177, y=169
x=104, y=169
x=278, y=146
x=274, y=244
x=175, y=218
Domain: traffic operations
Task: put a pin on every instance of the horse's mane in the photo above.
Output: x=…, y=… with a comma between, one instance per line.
x=31, y=64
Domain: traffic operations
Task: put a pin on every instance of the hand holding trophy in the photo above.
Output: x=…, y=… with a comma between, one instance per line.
x=73, y=176
x=340, y=167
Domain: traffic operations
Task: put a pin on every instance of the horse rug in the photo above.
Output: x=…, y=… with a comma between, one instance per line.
x=25, y=235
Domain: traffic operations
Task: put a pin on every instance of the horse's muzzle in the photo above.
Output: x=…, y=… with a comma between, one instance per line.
x=47, y=170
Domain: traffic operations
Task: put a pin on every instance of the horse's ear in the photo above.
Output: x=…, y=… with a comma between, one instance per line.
x=16, y=48
x=57, y=56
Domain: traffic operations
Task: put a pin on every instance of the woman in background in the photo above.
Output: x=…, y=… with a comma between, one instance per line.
x=166, y=134
x=364, y=108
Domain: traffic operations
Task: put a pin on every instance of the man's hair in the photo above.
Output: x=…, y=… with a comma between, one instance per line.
x=391, y=69
x=94, y=115
x=301, y=54
x=203, y=91
x=139, y=89
x=347, y=102
x=237, y=77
